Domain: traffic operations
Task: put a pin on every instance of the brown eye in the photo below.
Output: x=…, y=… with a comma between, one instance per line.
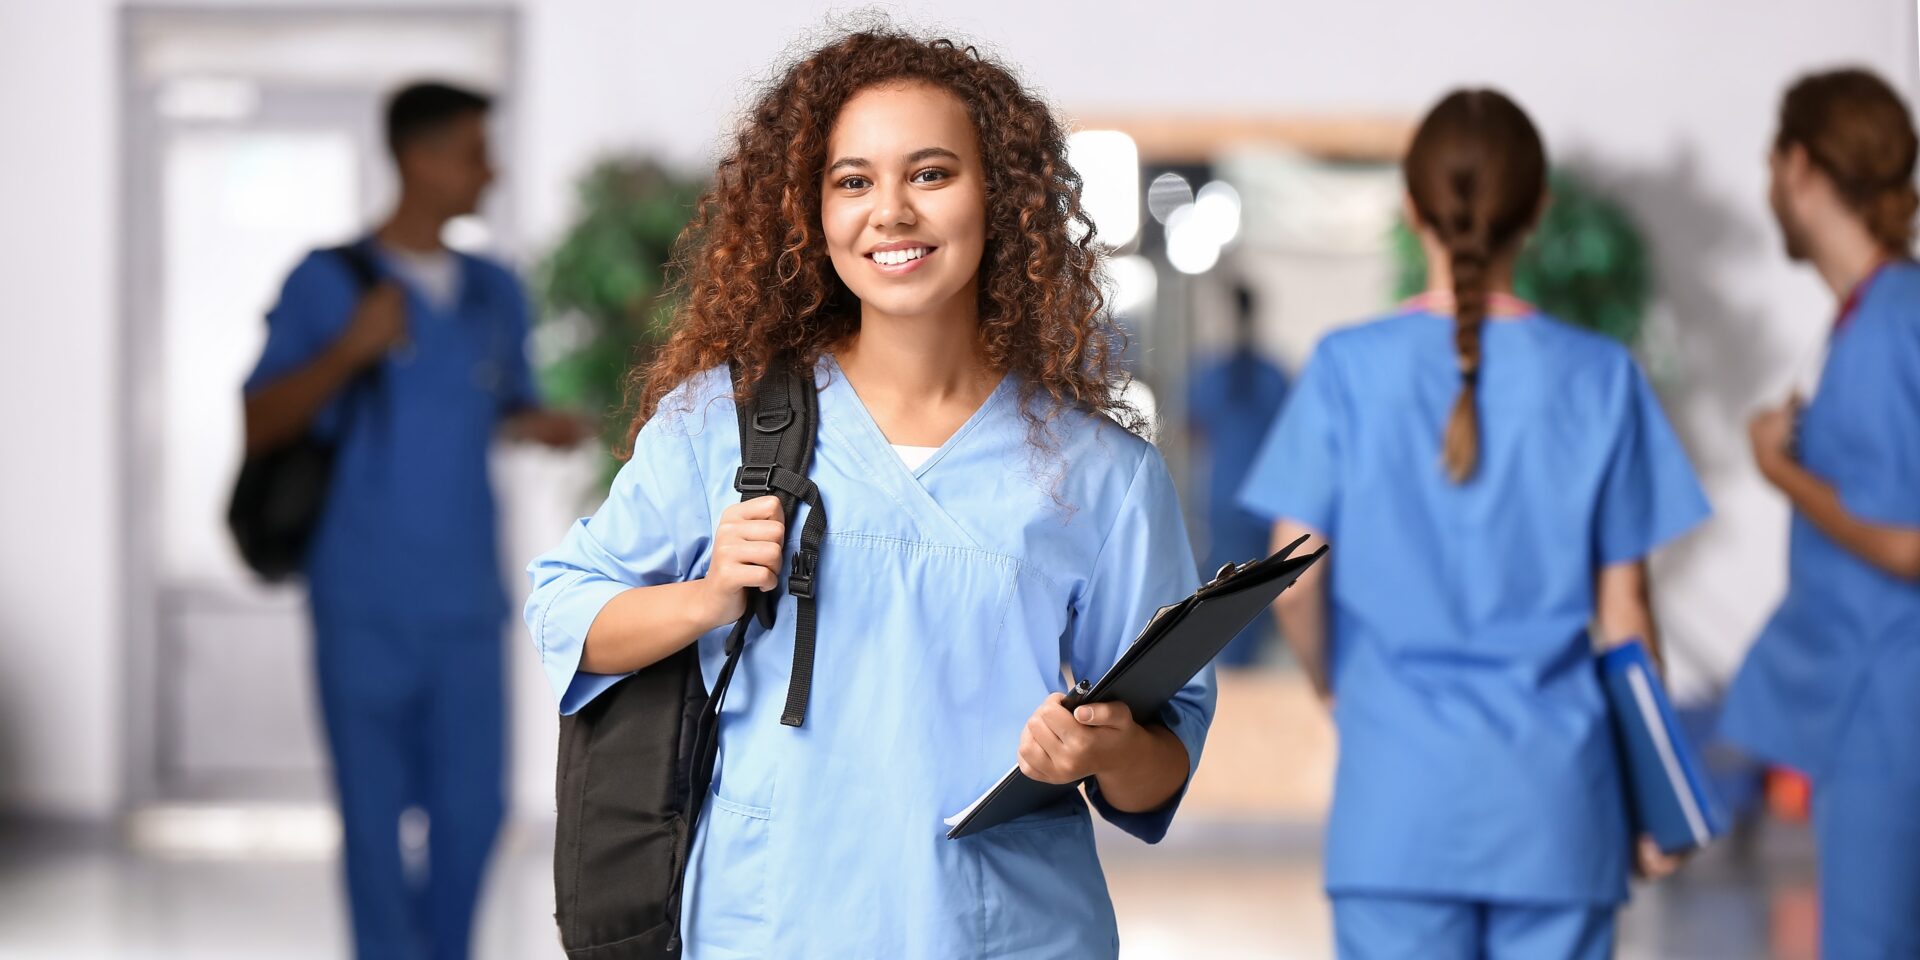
x=931, y=175
x=853, y=183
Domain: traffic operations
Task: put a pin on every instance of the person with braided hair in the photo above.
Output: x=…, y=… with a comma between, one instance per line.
x=1491, y=481
x=1832, y=687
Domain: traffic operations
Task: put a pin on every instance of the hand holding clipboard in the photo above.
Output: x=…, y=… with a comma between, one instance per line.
x=1174, y=646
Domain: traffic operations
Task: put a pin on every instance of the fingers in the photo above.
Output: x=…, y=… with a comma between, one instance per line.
x=390, y=303
x=1057, y=720
x=1112, y=715
x=1653, y=863
x=1043, y=756
x=1035, y=763
x=749, y=563
x=748, y=544
x=762, y=531
x=1057, y=746
x=759, y=508
x=1045, y=735
x=766, y=553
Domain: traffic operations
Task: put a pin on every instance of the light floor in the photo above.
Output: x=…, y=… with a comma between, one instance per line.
x=1211, y=891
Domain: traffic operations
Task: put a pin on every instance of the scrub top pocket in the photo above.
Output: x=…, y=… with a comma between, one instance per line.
x=1023, y=864
x=729, y=882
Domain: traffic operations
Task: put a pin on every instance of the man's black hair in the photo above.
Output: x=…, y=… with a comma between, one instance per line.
x=423, y=109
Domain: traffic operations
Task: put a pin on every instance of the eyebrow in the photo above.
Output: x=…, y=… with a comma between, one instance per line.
x=924, y=153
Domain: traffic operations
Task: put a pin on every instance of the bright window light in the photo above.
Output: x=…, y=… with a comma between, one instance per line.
x=1132, y=285
x=1218, y=209
x=1190, y=248
x=1168, y=192
x=1109, y=166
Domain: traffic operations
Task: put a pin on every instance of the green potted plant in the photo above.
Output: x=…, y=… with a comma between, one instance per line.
x=602, y=292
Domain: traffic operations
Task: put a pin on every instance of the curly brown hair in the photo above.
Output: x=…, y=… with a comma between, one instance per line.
x=751, y=270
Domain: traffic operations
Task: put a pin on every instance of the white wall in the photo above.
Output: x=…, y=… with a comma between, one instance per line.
x=59, y=511
x=1668, y=105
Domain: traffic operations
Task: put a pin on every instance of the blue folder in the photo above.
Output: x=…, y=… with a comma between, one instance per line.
x=1668, y=796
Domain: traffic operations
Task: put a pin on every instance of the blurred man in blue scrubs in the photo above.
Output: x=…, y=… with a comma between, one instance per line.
x=1232, y=402
x=411, y=379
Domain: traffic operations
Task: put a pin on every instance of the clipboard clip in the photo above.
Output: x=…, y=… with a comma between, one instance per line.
x=1229, y=571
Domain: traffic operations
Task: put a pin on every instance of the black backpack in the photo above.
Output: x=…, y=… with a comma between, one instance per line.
x=278, y=497
x=636, y=761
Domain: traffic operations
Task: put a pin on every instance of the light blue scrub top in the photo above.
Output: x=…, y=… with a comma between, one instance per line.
x=408, y=528
x=950, y=596
x=1832, y=687
x=1476, y=759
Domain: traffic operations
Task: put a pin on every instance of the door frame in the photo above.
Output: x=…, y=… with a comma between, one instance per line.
x=145, y=775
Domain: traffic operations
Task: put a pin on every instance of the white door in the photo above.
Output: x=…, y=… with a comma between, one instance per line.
x=251, y=137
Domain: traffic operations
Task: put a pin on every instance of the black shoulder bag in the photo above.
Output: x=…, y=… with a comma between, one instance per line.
x=277, y=500
x=636, y=762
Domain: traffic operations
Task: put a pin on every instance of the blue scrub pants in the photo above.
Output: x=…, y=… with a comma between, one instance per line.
x=415, y=717
x=1868, y=832
x=1396, y=928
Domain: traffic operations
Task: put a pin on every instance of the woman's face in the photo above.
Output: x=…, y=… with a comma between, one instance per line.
x=903, y=201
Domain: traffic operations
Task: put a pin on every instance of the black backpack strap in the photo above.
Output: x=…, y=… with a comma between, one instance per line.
x=777, y=430
x=706, y=750
x=359, y=261
x=776, y=453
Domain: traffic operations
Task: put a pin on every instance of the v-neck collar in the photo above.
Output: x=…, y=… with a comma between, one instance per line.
x=463, y=287
x=863, y=418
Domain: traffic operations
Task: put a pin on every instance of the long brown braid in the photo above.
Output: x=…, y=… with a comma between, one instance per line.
x=1476, y=173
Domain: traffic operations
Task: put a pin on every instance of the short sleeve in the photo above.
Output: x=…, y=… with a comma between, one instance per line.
x=1144, y=564
x=314, y=306
x=1296, y=474
x=655, y=527
x=1878, y=426
x=1648, y=494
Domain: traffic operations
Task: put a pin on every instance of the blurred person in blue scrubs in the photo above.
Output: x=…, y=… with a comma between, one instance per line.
x=1231, y=404
x=1491, y=481
x=896, y=216
x=1832, y=686
x=413, y=380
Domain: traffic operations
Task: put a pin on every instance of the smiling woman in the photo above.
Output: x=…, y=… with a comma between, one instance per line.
x=897, y=220
x=903, y=213
x=766, y=264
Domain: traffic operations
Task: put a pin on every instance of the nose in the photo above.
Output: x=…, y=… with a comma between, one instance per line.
x=892, y=207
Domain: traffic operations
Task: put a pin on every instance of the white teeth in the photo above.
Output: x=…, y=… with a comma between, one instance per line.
x=894, y=258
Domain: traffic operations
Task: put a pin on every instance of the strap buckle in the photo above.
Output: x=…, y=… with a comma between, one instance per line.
x=753, y=479
x=773, y=421
x=800, y=581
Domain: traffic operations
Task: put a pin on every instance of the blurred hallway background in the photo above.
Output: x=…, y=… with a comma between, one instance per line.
x=161, y=779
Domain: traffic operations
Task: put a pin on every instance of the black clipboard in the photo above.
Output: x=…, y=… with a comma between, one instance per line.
x=1173, y=647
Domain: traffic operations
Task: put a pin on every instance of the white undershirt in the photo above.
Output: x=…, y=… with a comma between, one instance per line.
x=913, y=457
x=435, y=275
